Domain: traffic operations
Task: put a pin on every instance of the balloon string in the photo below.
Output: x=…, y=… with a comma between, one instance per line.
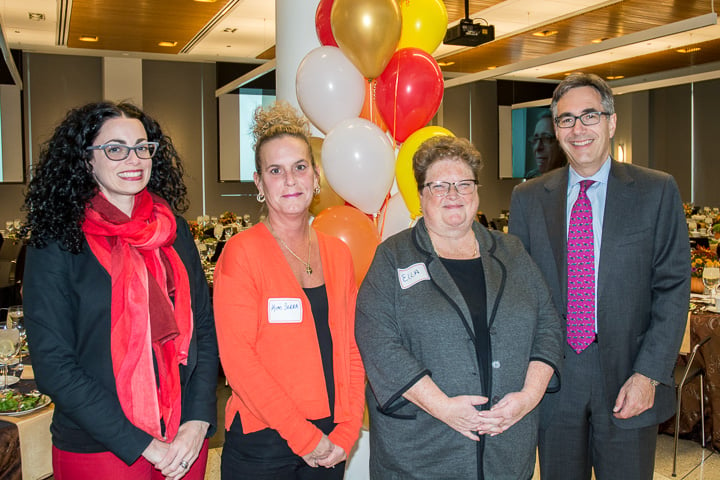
x=384, y=213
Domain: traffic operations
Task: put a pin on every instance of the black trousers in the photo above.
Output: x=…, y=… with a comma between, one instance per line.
x=265, y=455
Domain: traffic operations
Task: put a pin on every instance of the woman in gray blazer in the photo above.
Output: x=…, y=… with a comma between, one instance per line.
x=458, y=334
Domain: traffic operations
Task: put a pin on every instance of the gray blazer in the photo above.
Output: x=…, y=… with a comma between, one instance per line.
x=643, y=276
x=412, y=321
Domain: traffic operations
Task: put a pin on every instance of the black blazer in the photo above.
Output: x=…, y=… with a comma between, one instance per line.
x=67, y=316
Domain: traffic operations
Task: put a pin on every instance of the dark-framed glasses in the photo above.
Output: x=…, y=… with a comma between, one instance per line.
x=118, y=152
x=545, y=138
x=567, y=120
x=462, y=187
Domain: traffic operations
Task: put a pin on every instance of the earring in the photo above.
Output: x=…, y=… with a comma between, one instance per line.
x=260, y=197
x=317, y=190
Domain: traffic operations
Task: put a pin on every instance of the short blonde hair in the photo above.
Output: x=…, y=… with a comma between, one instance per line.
x=278, y=120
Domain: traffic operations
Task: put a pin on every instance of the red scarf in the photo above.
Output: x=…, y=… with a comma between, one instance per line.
x=129, y=249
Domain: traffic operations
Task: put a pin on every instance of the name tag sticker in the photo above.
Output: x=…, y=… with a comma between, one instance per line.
x=284, y=310
x=411, y=275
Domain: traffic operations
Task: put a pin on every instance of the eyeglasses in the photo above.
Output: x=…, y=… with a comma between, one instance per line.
x=441, y=189
x=589, y=118
x=118, y=152
x=545, y=138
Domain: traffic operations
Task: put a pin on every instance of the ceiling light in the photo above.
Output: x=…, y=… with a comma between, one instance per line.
x=545, y=33
x=615, y=77
x=38, y=17
x=598, y=40
x=492, y=67
x=88, y=38
x=445, y=64
x=167, y=44
x=688, y=50
x=230, y=30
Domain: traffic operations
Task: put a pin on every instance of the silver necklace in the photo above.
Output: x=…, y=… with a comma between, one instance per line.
x=308, y=268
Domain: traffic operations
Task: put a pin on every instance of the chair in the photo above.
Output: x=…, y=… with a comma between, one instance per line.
x=683, y=375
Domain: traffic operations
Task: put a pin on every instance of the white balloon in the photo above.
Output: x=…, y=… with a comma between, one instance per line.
x=395, y=217
x=359, y=163
x=329, y=87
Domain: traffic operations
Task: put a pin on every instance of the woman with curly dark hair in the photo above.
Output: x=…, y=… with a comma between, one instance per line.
x=117, y=308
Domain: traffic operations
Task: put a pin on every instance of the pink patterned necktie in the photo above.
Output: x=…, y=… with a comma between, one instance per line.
x=581, y=273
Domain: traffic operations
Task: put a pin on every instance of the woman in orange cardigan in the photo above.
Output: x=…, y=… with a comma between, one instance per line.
x=284, y=297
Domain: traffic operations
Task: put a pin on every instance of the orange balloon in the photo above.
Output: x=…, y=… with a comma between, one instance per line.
x=369, y=109
x=355, y=229
x=327, y=197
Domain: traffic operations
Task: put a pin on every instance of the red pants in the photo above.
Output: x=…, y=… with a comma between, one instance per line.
x=91, y=466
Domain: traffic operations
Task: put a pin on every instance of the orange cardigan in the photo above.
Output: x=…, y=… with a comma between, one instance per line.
x=274, y=369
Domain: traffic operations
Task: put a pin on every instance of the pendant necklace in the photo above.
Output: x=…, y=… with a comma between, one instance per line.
x=308, y=268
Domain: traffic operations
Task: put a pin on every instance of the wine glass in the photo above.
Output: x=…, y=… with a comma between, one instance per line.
x=9, y=347
x=15, y=314
x=711, y=277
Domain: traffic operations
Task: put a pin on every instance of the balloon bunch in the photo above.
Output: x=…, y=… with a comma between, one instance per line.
x=373, y=84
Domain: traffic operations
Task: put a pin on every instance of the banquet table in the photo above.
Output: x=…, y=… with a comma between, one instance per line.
x=702, y=325
x=34, y=443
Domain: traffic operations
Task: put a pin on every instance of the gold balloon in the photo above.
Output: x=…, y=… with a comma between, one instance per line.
x=367, y=32
x=327, y=196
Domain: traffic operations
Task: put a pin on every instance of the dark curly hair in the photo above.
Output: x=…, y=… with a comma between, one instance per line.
x=63, y=183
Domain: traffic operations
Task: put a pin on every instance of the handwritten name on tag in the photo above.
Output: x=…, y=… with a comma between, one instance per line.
x=284, y=310
x=411, y=275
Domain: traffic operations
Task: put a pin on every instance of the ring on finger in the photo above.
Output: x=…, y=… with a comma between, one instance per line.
x=184, y=464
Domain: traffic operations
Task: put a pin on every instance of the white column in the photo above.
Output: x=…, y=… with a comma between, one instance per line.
x=294, y=37
x=122, y=80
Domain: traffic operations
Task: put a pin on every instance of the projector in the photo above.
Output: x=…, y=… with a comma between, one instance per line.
x=469, y=34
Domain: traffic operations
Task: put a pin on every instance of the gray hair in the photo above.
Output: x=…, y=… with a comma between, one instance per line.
x=577, y=80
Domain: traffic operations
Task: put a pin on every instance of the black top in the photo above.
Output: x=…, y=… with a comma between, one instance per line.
x=319, y=305
x=469, y=276
x=68, y=319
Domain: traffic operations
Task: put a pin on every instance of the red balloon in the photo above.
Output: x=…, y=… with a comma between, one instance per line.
x=409, y=91
x=322, y=23
x=355, y=229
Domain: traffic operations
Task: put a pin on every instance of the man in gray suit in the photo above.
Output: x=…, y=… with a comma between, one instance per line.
x=617, y=384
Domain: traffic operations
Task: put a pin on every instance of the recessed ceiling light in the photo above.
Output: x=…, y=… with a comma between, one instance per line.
x=445, y=64
x=598, y=40
x=615, y=77
x=688, y=50
x=38, y=17
x=167, y=44
x=492, y=67
x=545, y=33
x=230, y=30
x=88, y=38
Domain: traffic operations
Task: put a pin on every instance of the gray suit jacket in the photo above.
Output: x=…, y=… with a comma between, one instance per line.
x=643, y=276
x=412, y=320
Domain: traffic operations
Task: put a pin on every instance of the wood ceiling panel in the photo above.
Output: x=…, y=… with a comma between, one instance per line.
x=139, y=25
x=456, y=8
x=654, y=62
x=613, y=21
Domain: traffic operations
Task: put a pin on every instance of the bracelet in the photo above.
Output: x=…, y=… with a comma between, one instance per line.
x=654, y=383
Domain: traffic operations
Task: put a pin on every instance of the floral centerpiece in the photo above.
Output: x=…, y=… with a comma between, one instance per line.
x=688, y=207
x=196, y=230
x=699, y=259
x=702, y=257
x=228, y=218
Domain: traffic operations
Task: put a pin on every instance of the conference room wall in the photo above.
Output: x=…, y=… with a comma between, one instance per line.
x=655, y=125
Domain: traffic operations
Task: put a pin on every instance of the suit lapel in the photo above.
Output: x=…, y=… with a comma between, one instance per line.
x=554, y=208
